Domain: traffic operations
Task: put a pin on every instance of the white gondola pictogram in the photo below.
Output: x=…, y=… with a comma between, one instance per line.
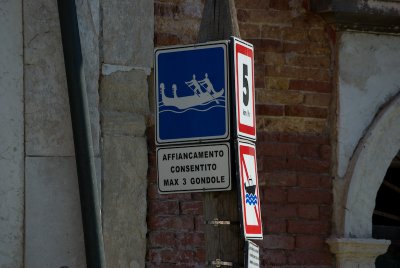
x=203, y=93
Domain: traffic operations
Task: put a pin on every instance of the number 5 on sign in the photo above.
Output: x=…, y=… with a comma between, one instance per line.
x=243, y=55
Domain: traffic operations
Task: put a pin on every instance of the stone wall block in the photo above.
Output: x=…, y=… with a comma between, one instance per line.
x=125, y=92
x=48, y=123
x=123, y=124
x=11, y=136
x=124, y=200
x=54, y=235
x=128, y=32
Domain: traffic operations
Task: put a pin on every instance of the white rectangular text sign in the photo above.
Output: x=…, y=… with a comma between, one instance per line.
x=194, y=168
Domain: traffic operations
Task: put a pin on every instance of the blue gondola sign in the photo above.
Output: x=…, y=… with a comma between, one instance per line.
x=192, y=93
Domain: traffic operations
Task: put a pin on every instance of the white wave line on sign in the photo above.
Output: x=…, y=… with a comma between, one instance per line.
x=192, y=109
x=203, y=104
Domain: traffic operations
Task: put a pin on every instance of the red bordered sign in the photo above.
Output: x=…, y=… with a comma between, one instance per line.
x=249, y=191
x=243, y=55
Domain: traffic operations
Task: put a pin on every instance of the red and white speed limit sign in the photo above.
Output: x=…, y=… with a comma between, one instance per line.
x=244, y=88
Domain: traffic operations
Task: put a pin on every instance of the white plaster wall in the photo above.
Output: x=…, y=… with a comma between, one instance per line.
x=369, y=75
x=11, y=135
x=368, y=168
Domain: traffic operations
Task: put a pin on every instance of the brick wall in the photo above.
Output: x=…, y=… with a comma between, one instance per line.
x=175, y=222
x=293, y=69
x=293, y=73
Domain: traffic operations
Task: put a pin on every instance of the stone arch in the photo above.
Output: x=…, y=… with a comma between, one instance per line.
x=366, y=172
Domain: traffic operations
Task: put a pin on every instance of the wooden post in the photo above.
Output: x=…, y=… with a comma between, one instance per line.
x=223, y=242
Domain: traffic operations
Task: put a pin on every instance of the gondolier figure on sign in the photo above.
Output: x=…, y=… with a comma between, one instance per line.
x=206, y=83
x=174, y=88
x=196, y=85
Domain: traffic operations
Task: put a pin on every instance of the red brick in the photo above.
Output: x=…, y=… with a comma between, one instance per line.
x=274, y=164
x=310, y=212
x=278, y=242
x=165, y=39
x=252, y=4
x=331, y=32
x=171, y=222
x=171, y=255
x=279, y=4
x=307, y=165
x=305, y=111
x=317, y=35
x=270, y=17
x=303, y=138
x=280, y=178
x=279, y=211
x=308, y=61
x=165, y=10
x=199, y=223
x=185, y=256
x=274, y=195
x=191, y=207
x=248, y=30
x=309, y=180
x=162, y=238
x=309, y=196
x=305, y=4
x=294, y=34
x=319, y=49
x=198, y=196
x=160, y=265
x=189, y=240
x=310, y=258
x=186, y=196
x=310, y=242
x=161, y=255
x=164, y=207
x=313, y=50
x=291, y=137
x=309, y=150
x=301, y=48
x=242, y=15
x=271, y=32
x=309, y=21
x=200, y=256
x=152, y=191
x=326, y=182
x=276, y=149
x=325, y=213
x=300, y=73
x=274, y=226
x=274, y=257
x=266, y=45
x=308, y=227
x=325, y=152
x=316, y=86
x=259, y=79
x=267, y=109
x=317, y=99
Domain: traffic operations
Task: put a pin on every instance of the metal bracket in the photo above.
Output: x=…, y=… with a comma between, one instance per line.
x=219, y=263
x=216, y=222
